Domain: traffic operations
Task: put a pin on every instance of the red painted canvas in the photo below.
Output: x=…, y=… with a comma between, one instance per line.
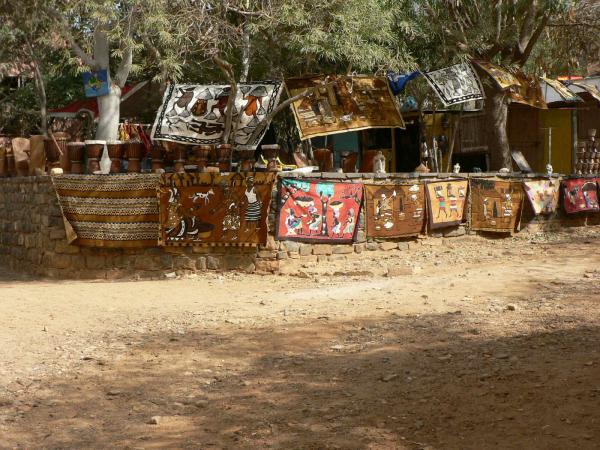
x=314, y=210
x=580, y=194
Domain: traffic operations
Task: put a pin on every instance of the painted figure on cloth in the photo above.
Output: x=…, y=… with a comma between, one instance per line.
x=231, y=220
x=205, y=208
x=441, y=199
x=253, y=206
x=182, y=222
x=394, y=210
x=293, y=223
x=496, y=204
x=317, y=210
x=446, y=202
x=581, y=194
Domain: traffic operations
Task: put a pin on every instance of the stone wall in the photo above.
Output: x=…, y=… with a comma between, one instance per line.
x=33, y=240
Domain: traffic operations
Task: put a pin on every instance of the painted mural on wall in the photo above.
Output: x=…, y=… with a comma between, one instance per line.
x=446, y=200
x=580, y=194
x=208, y=208
x=343, y=103
x=314, y=210
x=543, y=195
x=395, y=210
x=195, y=114
x=495, y=205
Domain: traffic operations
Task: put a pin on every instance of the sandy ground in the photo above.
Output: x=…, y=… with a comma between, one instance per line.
x=489, y=343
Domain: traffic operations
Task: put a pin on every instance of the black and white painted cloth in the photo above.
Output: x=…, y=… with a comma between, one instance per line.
x=455, y=84
x=195, y=114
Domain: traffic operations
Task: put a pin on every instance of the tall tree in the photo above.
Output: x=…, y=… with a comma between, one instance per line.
x=26, y=40
x=501, y=31
x=120, y=37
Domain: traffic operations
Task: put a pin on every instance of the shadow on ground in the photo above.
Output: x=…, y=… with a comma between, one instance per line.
x=434, y=381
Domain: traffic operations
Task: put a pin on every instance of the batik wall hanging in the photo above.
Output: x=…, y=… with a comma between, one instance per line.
x=446, y=202
x=495, y=204
x=455, y=84
x=580, y=194
x=528, y=92
x=314, y=210
x=214, y=209
x=543, y=195
x=109, y=211
x=503, y=78
x=395, y=210
x=343, y=103
x=195, y=114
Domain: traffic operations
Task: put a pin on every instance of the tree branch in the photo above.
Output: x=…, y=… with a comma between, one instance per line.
x=65, y=31
x=227, y=69
x=532, y=41
x=40, y=87
x=127, y=61
x=264, y=124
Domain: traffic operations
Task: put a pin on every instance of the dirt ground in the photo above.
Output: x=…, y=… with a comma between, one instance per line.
x=474, y=343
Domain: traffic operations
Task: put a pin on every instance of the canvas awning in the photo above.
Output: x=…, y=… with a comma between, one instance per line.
x=556, y=92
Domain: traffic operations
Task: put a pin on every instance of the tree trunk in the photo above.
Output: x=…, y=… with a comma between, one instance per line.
x=41, y=89
x=245, y=53
x=109, y=106
x=109, y=109
x=496, y=109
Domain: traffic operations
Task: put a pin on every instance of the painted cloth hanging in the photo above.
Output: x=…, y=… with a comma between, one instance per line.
x=398, y=81
x=495, y=204
x=503, y=78
x=580, y=194
x=529, y=91
x=455, y=84
x=520, y=87
x=543, y=195
x=314, y=210
x=395, y=210
x=562, y=90
x=343, y=103
x=120, y=210
x=195, y=114
x=214, y=209
x=446, y=202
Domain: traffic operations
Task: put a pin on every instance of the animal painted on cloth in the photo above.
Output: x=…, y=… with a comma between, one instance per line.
x=202, y=196
x=181, y=222
x=221, y=105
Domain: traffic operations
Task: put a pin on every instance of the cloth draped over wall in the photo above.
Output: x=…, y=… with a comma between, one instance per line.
x=109, y=211
x=343, y=103
x=495, y=204
x=395, y=209
x=195, y=114
x=446, y=202
x=215, y=209
x=543, y=195
x=318, y=211
x=580, y=195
